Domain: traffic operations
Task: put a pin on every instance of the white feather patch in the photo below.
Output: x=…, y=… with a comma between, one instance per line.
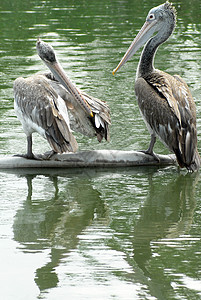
x=98, y=121
x=187, y=143
x=63, y=110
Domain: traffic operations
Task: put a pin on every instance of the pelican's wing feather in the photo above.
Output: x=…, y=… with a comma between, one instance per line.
x=97, y=125
x=169, y=110
x=39, y=103
x=161, y=83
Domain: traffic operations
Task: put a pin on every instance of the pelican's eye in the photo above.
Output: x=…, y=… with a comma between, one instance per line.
x=151, y=17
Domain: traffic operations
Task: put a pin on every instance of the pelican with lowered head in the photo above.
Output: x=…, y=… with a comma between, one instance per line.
x=43, y=101
x=165, y=101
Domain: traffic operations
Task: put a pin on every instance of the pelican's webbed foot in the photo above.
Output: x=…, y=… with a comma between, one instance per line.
x=46, y=156
x=155, y=156
x=28, y=156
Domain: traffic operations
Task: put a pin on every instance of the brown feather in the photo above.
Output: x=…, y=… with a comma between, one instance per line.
x=80, y=121
x=169, y=110
x=38, y=101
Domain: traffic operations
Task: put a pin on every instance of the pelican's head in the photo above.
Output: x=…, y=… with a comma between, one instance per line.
x=45, y=51
x=160, y=19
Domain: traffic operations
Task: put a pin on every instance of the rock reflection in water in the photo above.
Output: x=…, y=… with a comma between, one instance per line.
x=56, y=223
x=101, y=225
x=166, y=214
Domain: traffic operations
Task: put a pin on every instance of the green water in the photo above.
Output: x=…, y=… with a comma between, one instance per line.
x=97, y=234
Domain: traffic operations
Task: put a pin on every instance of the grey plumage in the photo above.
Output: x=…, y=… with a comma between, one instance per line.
x=42, y=102
x=79, y=121
x=165, y=101
x=37, y=101
x=84, y=108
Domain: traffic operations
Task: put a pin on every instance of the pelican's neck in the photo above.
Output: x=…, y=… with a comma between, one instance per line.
x=146, y=63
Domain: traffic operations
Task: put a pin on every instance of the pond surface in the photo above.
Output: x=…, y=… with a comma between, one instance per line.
x=102, y=233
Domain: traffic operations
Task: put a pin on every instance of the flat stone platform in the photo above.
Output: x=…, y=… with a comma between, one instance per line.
x=91, y=158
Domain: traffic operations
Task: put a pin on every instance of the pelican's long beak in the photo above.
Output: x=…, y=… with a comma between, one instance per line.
x=142, y=37
x=60, y=75
x=46, y=53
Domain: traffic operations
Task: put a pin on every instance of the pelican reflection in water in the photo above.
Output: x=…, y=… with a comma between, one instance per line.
x=165, y=101
x=42, y=103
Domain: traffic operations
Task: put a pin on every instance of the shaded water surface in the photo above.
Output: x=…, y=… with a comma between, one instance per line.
x=97, y=234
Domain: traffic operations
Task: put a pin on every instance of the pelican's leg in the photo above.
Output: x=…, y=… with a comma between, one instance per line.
x=149, y=151
x=151, y=145
x=29, y=153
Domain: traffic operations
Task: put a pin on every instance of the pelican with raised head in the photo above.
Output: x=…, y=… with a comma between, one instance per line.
x=42, y=103
x=165, y=101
